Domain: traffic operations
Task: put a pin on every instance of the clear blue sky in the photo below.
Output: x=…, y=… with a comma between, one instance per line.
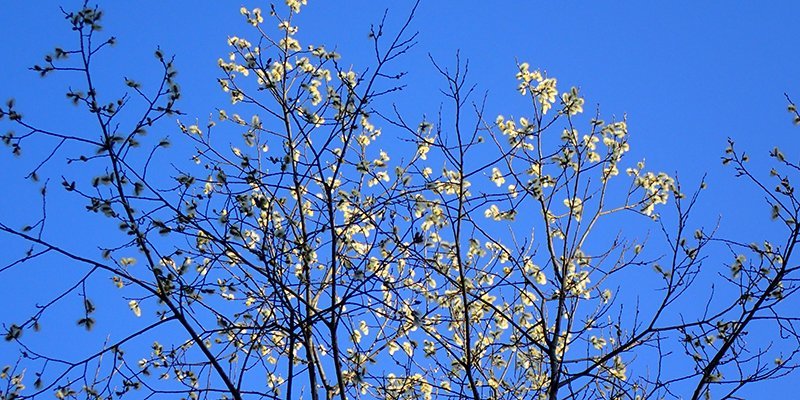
x=687, y=74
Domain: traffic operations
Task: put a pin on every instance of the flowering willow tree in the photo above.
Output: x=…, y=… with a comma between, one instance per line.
x=307, y=260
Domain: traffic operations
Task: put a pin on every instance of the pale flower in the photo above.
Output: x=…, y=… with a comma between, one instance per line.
x=497, y=177
x=295, y=5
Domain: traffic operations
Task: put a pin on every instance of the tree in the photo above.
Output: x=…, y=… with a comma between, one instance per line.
x=304, y=261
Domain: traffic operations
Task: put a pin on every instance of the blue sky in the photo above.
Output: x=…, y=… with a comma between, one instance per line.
x=686, y=74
